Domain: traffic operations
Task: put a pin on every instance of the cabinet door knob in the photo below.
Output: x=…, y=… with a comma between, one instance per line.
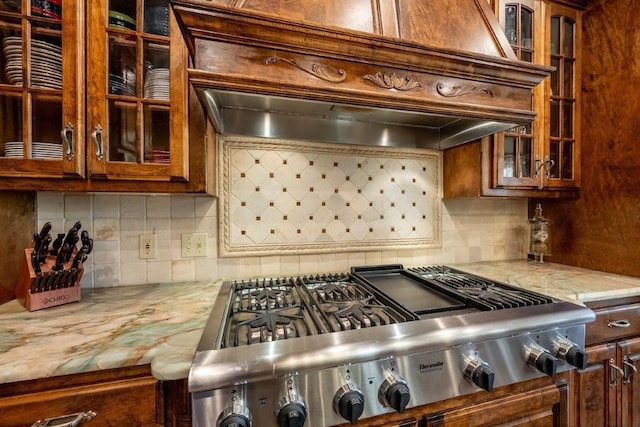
x=624, y=323
x=67, y=139
x=71, y=420
x=96, y=136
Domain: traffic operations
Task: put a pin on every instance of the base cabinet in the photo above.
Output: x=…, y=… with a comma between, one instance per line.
x=120, y=397
x=542, y=402
x=607, y=392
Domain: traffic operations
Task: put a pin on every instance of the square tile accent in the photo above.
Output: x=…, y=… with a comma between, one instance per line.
x=281, y=197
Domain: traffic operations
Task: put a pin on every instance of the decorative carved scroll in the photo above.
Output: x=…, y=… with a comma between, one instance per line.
x=453, y=91
x=324, y=72
x=392, y=81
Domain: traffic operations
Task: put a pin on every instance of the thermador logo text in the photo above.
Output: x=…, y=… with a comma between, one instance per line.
x=431, y=366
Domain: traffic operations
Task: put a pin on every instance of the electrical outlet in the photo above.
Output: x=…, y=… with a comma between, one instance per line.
x=194, y=245
x=147, y=246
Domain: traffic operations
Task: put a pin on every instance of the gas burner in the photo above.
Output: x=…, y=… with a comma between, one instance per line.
x=269, y=319
x=359, y=314
x=336, y=291
x=263, y=325
x=267, y=298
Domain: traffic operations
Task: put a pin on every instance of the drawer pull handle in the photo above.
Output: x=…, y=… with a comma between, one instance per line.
x=619, y=324
x=72, y=420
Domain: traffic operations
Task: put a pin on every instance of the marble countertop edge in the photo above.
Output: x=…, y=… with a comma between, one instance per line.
x=161, y=324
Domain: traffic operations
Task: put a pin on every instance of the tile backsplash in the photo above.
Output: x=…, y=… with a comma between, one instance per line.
x=291, y=197
x=452, y=231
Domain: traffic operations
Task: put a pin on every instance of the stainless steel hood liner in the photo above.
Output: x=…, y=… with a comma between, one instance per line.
x=274, y=75
x=289, y=118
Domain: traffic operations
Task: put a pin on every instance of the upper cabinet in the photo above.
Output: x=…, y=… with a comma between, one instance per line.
x=41, y=122
x=119, y=126
x=539, y=159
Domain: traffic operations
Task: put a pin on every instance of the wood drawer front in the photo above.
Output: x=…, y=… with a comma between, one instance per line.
x=603, y=329
x=131, y=402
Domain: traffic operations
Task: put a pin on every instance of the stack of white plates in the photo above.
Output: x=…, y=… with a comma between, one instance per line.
x=156, y=85
x=120, y=86
x=40, y=150
x=46, y=63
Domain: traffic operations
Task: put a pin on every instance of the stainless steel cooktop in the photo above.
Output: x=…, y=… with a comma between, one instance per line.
x=375, y=340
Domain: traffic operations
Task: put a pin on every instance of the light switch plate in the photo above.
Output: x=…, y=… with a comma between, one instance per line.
x=147, y=246
x=194, y=245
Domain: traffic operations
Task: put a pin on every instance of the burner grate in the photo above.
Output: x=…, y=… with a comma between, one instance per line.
x=344, y=304
x=266, y=310
x=488, y=293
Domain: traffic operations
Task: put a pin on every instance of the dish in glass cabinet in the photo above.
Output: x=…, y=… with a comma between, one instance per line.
x=40, y=150
x=156, y=85
x=117, y=19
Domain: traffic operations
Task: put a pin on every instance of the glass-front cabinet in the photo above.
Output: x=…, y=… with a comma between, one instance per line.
x=545, y=153
x=538, y=159
x=129, y=113
x=85, y=96
x=40, y=122
x=518, y=153
x=563, y=150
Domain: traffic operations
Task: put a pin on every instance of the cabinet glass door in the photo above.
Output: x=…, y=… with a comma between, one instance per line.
x=562, y=103
x=129, y=110
x=38, y=120
x=516, y=148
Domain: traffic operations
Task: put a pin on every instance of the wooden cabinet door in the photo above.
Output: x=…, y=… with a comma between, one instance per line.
x=118, y=397
x=137, y=121
x=629, y=357
x=533, y=408
x=562, y=149
x=594, y=389
x=41, y=89
x=518, y=151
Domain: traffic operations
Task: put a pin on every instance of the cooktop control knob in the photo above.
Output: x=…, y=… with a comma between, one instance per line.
x=292, y=409
x=571, y=353
x=236, y=414
x=234, y=420
x=394, y=391
x=479, y=373
x=542, y=360
x=348, y=402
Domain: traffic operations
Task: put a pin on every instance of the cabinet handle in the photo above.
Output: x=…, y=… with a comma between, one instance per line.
x=96, y=135
x=67, y=139
x=613, y=373
x=624, y=323
x=547, y=165
x=628, y=370
x=72, y=420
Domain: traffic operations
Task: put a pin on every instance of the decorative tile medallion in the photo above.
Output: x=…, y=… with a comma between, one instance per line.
x=292, y=197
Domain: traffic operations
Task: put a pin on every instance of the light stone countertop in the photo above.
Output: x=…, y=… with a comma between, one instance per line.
x=556, y=280
x=161, y=324
x=108, y=328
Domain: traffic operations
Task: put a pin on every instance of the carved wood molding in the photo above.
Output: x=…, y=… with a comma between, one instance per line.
x=392, y=81
x=324, y=72
x=454, y=91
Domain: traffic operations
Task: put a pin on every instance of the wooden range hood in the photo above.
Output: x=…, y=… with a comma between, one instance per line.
x=415, y=73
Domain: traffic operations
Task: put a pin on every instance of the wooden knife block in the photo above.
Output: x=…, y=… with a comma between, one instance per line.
x=48, y=288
